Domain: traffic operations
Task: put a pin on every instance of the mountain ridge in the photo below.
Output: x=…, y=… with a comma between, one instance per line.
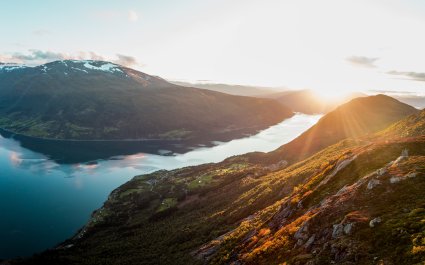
x=242, y=212
x=100, y=100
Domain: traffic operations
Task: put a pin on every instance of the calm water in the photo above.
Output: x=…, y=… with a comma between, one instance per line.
x=44, y=201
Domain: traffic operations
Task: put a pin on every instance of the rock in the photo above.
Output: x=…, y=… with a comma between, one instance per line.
x=338, y=230
x=342, y=190
x=280, y=165
x=381, y=171
x=375, y=221
x=373, y=183
x=302, y=232
x=300, y=242
x=405, y=153
x=394, y=180
x=348, y=228
x=310, y=241
x=411, y=175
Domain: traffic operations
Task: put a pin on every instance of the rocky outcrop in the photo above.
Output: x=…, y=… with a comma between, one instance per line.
x=373, y=183
x=375, y=221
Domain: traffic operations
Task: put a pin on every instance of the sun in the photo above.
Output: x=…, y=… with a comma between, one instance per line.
x=332, y=95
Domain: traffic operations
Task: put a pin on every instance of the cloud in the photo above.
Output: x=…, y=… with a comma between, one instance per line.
x=409, y=75
x=133, y=16
x=382, y=91
x=81, y=55
x=36, y=57
x=362, y=61
x=4, y=59
x=126, y=60
x=39, y=56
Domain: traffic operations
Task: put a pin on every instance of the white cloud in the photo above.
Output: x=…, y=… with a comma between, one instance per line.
x=36, y=57
x=133, y=16
x=362, y=61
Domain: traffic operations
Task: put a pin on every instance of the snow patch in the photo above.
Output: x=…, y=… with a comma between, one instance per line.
x=78, y=69
x=10, y=68
x=106, y=67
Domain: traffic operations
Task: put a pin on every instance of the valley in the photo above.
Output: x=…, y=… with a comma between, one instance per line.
x=49, y=189
x=249, y=209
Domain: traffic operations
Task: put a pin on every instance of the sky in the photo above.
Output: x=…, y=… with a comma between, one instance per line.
x=331, y=46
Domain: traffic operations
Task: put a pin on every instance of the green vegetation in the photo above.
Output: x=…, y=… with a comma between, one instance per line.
x=175, y=134
x=355, y=202
x=356, y=118
x=167, y=204
x=70, y=101
x=414, y=125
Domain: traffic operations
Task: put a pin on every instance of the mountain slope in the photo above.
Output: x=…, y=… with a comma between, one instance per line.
x=412, y=126
x=356, y=118
x=101, y=100
x=309, y=102
x=358, y=201
x=237, y=90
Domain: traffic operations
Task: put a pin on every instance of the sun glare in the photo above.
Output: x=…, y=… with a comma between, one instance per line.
x=332, y=95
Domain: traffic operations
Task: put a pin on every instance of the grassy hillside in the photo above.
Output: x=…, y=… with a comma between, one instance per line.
x=358, y=117
x=100, y=100
x=359, y=201
x=414, y=125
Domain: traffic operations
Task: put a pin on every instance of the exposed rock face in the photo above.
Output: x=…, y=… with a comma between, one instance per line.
x=394, y=180
x=405, y=153
x=373, y=183
x=280, y=165
x=348, y=228
x=411, y=175
x=340, y=166
x=374, y=222
x=381, y=171
x=338, y=230
x=302, y=233
x=310, y=241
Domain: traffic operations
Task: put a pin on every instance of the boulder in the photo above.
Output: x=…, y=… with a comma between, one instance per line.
x=373, y=183
x=348, y=228
x=338, y=230
x=374, y=222
x=394, y=180
x=411, y=175
x=381, y=171
x=310, y=241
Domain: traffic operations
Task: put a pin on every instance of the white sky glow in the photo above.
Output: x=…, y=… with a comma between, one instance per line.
x=329, y=46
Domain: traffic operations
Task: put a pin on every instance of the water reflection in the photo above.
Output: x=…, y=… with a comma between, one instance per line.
x=45, y=197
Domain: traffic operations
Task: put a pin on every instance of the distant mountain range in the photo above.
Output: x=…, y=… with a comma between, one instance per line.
x=238, y=90
x=303, y=100
x=353, y=195
x=91, y=100
x=309, y=102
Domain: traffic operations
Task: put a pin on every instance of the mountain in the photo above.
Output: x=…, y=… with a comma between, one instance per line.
x=309, y=102
x=101, y=100
x=412, y=126
x=238, y=90
x=359, y=201
x=413, y=100
x=358, y=117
